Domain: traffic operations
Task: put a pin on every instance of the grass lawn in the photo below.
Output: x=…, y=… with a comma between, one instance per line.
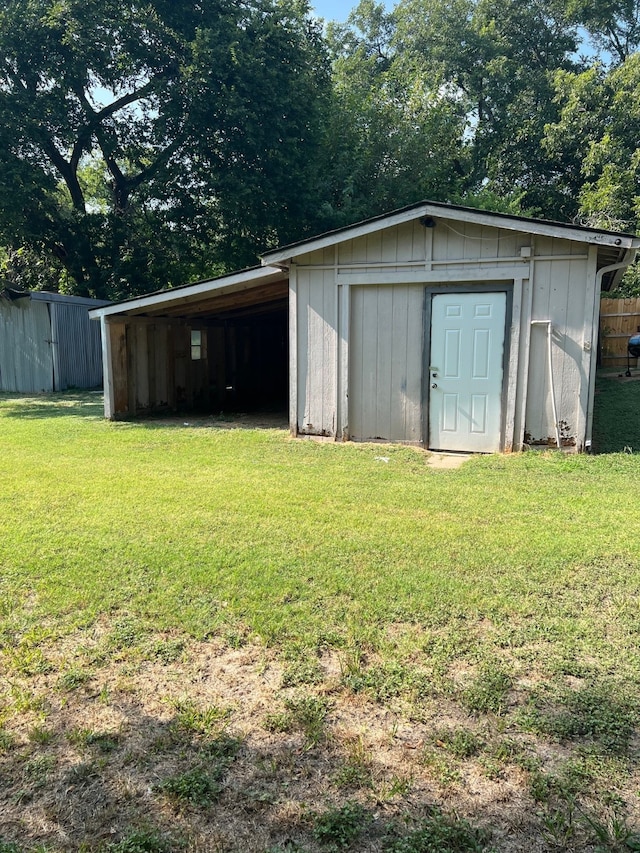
x=220, y=639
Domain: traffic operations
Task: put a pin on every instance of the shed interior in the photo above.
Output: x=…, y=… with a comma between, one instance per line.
x=207, y=353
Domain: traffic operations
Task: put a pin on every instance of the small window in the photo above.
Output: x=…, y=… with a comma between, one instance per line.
x=197, y=345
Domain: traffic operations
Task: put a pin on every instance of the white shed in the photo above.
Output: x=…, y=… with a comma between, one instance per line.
x=436, y=325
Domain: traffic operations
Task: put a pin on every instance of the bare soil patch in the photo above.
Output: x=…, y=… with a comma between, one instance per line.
x=90, y=741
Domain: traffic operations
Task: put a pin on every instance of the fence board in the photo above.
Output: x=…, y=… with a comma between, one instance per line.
x=619, y=319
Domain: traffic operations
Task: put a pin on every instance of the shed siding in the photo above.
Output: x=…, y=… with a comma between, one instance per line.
x=79, y=352
x=316, y=306
x=26, y=359
x=559, y=291
x=386, y=363
x=381, y=350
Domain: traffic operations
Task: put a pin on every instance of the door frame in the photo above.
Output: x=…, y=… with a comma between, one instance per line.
x=465, y=287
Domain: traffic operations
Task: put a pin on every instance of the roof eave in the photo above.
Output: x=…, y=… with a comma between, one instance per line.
x=459, y=214
x=179, y=294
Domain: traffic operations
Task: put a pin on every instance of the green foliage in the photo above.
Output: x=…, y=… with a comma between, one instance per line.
x=438, y=833
x=337, y=828
x=141, y=841
x=593, y=714
x=386, y=681
x=303, y=713
x=300, y=672
x=462, y=743
x=198, y=787
x=73, y=678
x=488, y=692
x=192, y=720
x=144, y=145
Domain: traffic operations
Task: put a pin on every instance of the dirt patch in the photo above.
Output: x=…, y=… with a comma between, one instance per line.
x=96, y=745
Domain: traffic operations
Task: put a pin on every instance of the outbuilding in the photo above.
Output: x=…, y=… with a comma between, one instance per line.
x=436, y=325
x=47, y=342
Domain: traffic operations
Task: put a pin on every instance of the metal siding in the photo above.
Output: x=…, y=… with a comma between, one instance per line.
x=26, y=361
x=79, y=347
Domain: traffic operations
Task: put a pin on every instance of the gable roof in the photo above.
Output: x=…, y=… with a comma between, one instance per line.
x=433, y=209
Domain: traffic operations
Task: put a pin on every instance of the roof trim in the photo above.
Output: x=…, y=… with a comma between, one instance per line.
x=248, y=278
x=540, y=227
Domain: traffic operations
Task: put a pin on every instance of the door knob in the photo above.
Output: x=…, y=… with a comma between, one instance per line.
x=434, y=385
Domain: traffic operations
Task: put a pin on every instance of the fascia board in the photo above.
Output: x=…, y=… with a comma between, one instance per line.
x=536, y=227
x=238, y=281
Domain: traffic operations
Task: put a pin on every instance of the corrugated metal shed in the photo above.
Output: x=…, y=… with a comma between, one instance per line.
x=47, y=342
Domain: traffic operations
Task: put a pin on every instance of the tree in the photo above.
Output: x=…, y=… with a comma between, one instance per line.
x=449, y=100
x=397, y=138
x=144, y=143
x=599, y=127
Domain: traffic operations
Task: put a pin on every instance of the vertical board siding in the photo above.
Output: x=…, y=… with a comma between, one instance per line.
x=386, y=363
x=26, y=359
x=558, y=296
x=317, y=352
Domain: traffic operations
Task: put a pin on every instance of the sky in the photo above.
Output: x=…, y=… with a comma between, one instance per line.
x=338, y=10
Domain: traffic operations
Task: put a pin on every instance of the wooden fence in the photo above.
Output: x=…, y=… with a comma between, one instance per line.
x=619, y=319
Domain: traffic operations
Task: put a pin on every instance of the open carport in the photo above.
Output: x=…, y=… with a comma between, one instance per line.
x=216, y=345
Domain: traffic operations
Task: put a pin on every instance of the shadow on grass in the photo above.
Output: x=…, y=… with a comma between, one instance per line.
x=103, y=773
x=616, y=415
x=83, y=404
x=89, y=404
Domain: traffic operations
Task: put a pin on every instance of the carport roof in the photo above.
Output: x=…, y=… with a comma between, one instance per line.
x=233, y=292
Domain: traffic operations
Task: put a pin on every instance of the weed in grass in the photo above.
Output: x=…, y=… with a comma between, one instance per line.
x=611, y=830
x=488, y=692
x=308, y=714
x=440, y=833
x=125, y=634
x=82, y=773
x=72, y=679
x=198, y=787
x=591, y=713
x=30, y=661
x=141, y=842
x=461, y=743
x=356, y=771
x=9, y=847
x=280, y=722
x=559, y=825
x=7, y=740
x=337, y=828
x=508, y=751
x=302, y=672
x=442, y=768
x=387, y=681
x=353, y=775
x=37, y=769
x=105, y=742
x=41, y=735
x=166, y=651
x=25, y=701
x=222, y=748
x=192, y=720
x=397, y=786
